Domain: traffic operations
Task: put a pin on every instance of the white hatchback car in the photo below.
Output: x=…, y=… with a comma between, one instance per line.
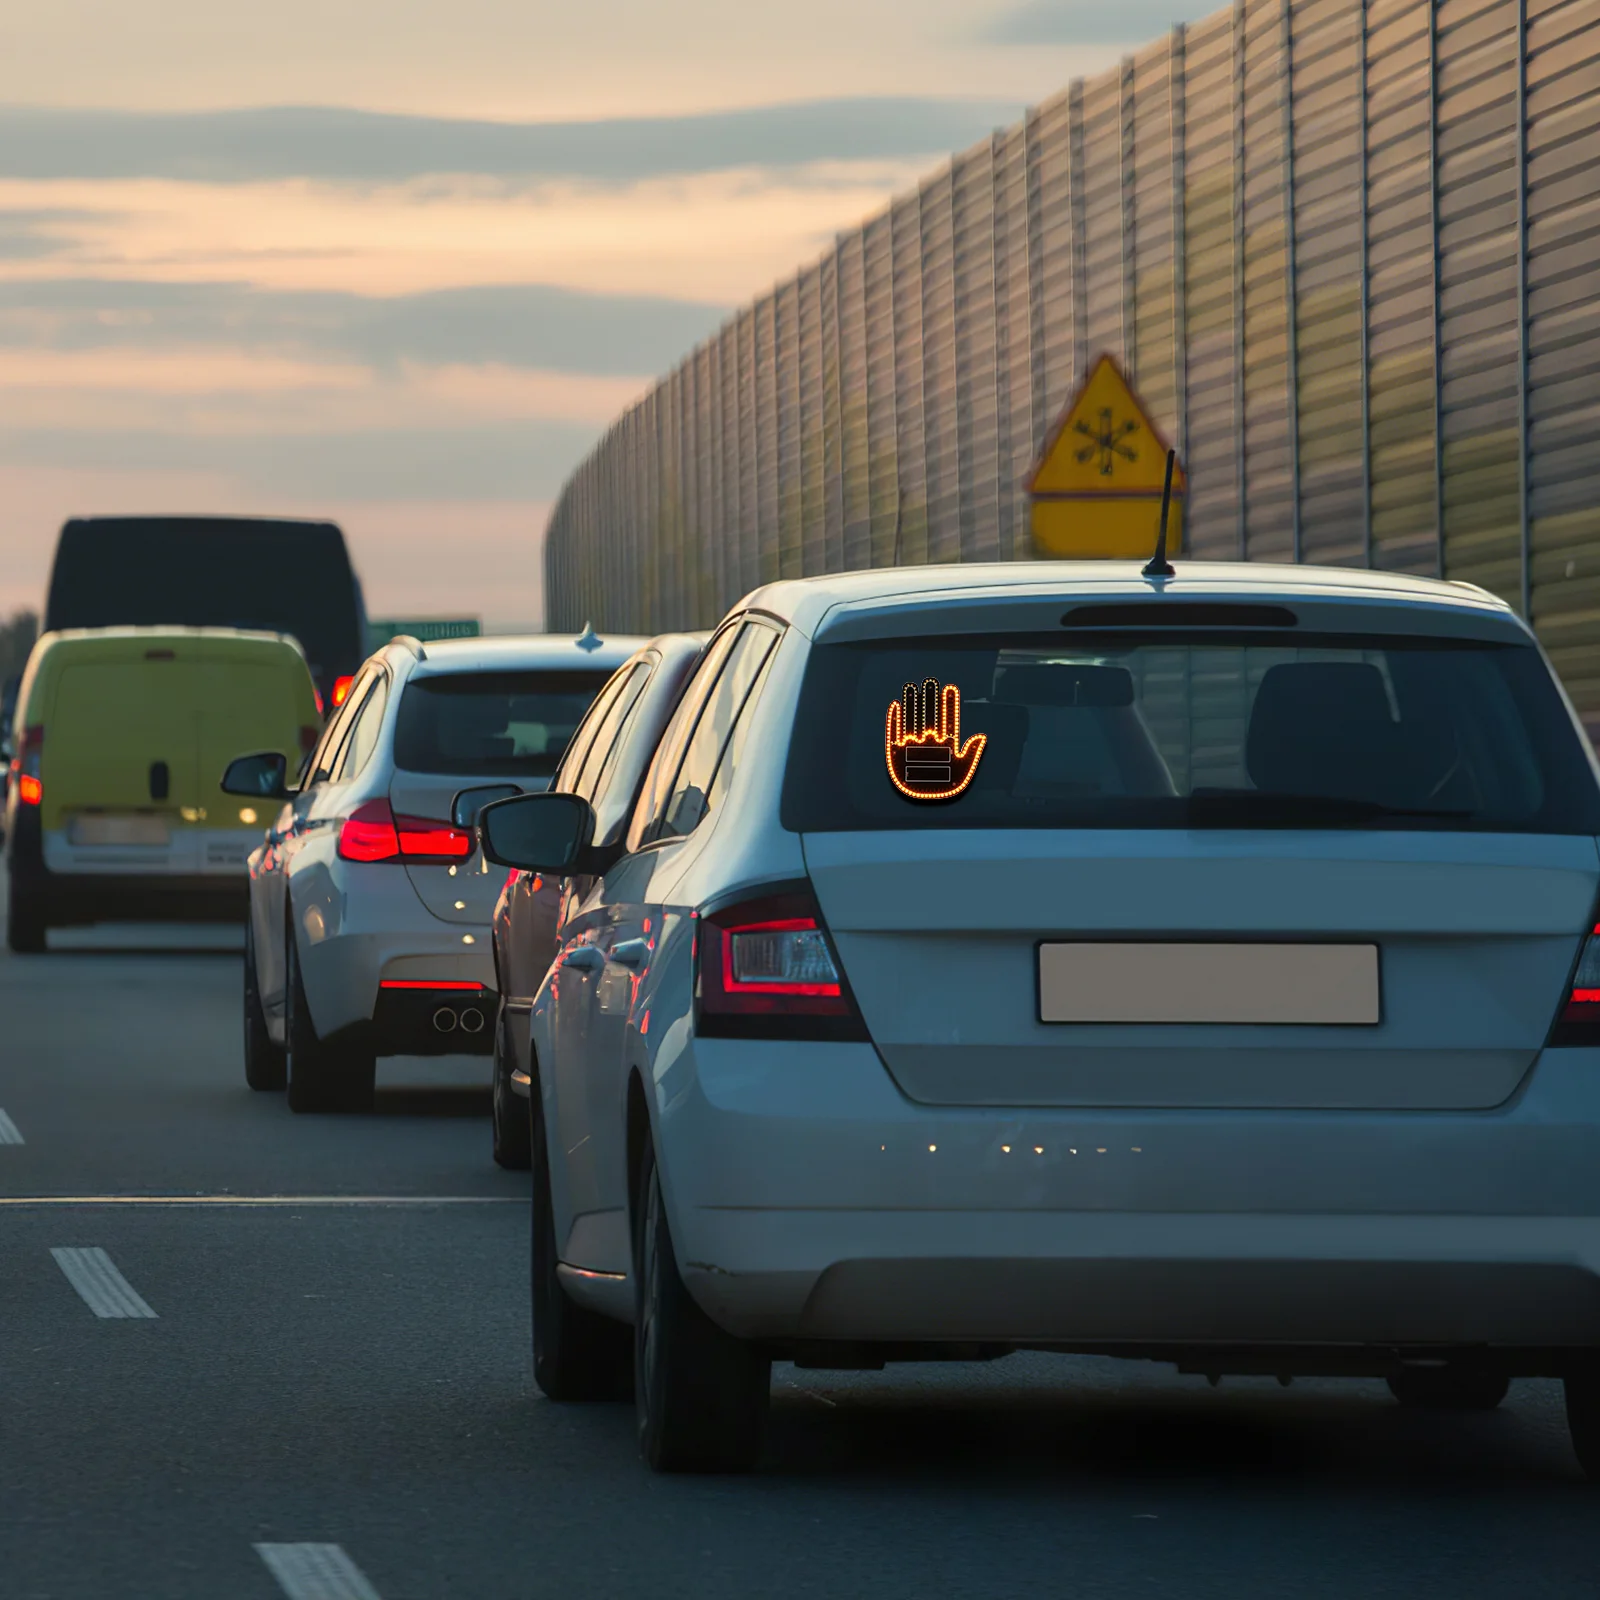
x=1195, y=969
x=370, y=905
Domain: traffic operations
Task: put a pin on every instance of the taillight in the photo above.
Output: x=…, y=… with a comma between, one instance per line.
x=369, y=834
x=341, y=690
x=29, y=766
x=1579, y=1022
x=372, y=832
x=768, y=970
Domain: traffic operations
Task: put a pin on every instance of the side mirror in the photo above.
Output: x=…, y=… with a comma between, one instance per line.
x=264, y=776
x=538, y=833
x=464, y=809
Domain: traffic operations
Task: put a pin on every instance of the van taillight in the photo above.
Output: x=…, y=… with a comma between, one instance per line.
x=372, y=832
x=341, y=690
x=1579, y=1022
x=766, y=969
x=28, y=766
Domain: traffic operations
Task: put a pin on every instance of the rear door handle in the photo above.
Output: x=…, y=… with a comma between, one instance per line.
x=584, y=958
x=631, y=953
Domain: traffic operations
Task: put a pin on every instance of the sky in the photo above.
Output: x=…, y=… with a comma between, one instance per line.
x=399, y=263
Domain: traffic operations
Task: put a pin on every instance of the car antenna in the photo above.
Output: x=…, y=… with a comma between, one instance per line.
x=589, y=639
x=1158, y=565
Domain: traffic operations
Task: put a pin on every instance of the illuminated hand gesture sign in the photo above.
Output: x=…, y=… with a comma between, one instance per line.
x=923, y=746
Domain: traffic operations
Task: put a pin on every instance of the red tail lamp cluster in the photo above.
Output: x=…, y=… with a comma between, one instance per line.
x=372, y=832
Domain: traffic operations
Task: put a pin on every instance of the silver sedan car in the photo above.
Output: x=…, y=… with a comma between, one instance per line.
x=370, y=904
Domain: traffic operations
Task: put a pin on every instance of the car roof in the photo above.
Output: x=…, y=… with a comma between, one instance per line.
x=807, y=602
x=520, y=652
x=169, y=633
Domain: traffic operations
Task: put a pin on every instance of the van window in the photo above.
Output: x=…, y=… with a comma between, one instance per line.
x=510, y=724
x=689, y=803
x=1163, y=731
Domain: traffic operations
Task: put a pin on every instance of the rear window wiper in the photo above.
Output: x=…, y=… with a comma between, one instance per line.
x=1218, y=808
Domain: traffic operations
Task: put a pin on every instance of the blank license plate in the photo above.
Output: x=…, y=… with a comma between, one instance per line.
x=1281, y=983
x=123, y=830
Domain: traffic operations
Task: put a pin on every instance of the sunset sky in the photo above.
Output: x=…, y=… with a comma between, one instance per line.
x=399, y=263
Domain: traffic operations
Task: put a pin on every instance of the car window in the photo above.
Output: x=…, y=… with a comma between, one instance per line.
x=605, y=737
x=1163, y=731
x=687, y=801
x=362, y=738
x=566, y=775
x=321, y=763
x=733, y=751
x=669, y=753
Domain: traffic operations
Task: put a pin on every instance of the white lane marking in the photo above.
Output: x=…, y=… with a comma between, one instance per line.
x=105, y=1291
x=10, y=1133
x=316, y=1572
x=263, y=1200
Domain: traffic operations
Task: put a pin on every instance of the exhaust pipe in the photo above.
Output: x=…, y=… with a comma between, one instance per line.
x=472, y=1020
x=444, y=1019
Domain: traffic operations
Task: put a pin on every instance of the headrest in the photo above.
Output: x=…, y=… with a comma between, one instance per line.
x=1323, y=728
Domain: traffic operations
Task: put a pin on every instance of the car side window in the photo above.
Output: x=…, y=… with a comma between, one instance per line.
x=669, y=753
x=362, y=739
x=606, y=734
x=321, y=763
x=566, y=773
x=689, y=800
x=733, y=750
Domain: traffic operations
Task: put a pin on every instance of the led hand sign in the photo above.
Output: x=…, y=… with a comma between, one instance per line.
x=922, y=743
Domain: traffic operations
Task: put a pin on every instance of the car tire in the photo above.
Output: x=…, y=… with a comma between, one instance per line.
x=1450, y=1388
x=265, y=1065
x=701, y=1395
x=25, y=922
x=1583, y=1417
x=321, y=1076
x=510, y=1122
x=577, y=1353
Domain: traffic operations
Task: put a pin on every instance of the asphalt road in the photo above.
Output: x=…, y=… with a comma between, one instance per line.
x=331, y=1396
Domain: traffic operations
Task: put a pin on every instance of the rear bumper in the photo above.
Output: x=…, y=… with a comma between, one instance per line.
x=810, y=1200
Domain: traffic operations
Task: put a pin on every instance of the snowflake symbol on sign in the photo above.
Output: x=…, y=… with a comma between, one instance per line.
x=1107, y=441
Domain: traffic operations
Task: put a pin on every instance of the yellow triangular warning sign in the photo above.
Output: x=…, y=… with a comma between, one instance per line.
x=1105, y=443
x=1097, y=487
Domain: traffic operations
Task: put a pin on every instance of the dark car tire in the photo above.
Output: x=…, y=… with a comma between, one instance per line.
x=1450, y=1388
x=701, y=1395
x=510, y=1119
x=26, y=923
x=322, y=1075
x=1583, y=1417
x=265, y=1064
x=577, y=1353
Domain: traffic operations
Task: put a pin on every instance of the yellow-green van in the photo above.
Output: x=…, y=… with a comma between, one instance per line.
x=114, y=810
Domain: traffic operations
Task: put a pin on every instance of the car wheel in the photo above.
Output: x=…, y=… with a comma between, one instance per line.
x=1583, y=1417
x=25, y=922
x=1453, y=1387
x=701, y=1394
x=512, y=1145
x=577, y=1353
x=264, y=1063
x=322, y=1076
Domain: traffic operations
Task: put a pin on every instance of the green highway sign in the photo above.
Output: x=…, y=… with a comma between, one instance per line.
x=423, y=628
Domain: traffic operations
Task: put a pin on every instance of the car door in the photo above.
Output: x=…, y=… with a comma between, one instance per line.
x=622, y=924
x=268, y=905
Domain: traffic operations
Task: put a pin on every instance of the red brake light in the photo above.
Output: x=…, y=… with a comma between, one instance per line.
x=1579, y=1022
x=341, y=689
x=316, y=694
x=422, y=840
x=767, y=969
x=28, y=766
x=369, y=834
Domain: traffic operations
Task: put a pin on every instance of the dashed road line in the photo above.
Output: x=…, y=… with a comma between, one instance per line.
x=316, y=1572
x=10, y=1133
x=104, y=1290
x=263, y=1200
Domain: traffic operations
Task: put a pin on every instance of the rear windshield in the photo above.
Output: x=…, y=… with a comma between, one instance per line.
x=1179, y=731
x=515, y=723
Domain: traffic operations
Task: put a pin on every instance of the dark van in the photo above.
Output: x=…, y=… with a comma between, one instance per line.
x=257, y=573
